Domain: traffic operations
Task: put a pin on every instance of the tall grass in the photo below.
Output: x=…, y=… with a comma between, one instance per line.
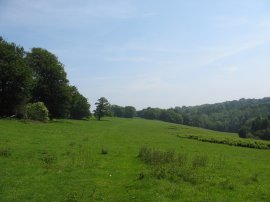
x=171, y=166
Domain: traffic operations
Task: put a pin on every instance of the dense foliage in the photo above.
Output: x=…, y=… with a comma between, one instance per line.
x=226, y=116
x=37, y=76
x=50, y=82
x=233, y=141
x=79, y=105
x=15, y=78
x=124, y=112
x=168, y=115
x=258, y=128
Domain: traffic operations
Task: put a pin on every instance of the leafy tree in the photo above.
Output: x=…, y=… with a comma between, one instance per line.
x=129, y=112
x=102, y=108
x=117, y=111
x=170, y=116
x=226, y=116
x=15, y=78
x=50, y=82
x=150, y=113
x=79, y=105
x=260, y=128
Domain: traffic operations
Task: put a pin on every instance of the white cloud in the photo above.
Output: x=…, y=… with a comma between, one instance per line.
x=63, y=12
x=219, y=53
x=127, y=59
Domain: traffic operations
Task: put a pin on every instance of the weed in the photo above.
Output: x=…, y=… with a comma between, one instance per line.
x=92, y=194
x=226, y=184
x=182, y=159
x=104, y=151
x=188, y=175
x=155, y=157
x=199, y=161
x=5, y=153
x=72, y=197
x=71, y=144
x=160, y=172
x=48, y=159
x=141, y=175
x=167, y=165
x=254, y=177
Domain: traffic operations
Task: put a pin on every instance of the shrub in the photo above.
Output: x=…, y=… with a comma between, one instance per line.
x=233, y=141
x=37, y=111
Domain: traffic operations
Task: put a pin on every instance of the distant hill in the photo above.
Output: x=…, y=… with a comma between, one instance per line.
x=227, y=116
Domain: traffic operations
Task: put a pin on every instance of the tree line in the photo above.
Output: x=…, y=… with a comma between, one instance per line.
x=258, y=128
x=228, y=116
x=37, y=76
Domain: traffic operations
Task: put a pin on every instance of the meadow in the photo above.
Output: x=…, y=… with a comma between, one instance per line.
x=119, y=159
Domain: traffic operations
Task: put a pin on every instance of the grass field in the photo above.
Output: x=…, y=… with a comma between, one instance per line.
x=69, y=160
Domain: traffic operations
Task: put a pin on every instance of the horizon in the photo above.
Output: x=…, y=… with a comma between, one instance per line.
x=152, y=53
x=207, y=103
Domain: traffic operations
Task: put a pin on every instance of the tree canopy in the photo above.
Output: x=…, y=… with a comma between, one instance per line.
x=50, y=82
x=102, y=108
x=79, y=105
x=258, y=128
x=226, y=116
x=124, y=112
x=15, y=78
x=37, y=76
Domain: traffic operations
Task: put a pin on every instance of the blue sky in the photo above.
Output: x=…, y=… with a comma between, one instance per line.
x=150, y=52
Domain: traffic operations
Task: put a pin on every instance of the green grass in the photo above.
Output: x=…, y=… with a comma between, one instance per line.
x=98, y=161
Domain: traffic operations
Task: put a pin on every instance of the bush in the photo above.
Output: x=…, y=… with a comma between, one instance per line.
x=233, y=141
x=36, y=111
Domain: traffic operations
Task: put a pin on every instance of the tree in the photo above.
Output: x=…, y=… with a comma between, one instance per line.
x=50, y=82
x=79, y=106
x=117, y=111
x=129, y=112
x=15, y=78
x=243, y=132
x=102, y=108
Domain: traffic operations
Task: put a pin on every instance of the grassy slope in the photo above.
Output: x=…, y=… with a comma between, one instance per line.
x=75, y=169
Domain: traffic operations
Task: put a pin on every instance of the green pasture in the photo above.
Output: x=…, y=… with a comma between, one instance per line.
x=67, y=160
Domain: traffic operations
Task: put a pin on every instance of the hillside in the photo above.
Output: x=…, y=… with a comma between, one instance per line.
x=227, y=116
x=68, y=160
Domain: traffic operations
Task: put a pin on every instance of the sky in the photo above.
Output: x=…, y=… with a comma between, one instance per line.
x=150, y=53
